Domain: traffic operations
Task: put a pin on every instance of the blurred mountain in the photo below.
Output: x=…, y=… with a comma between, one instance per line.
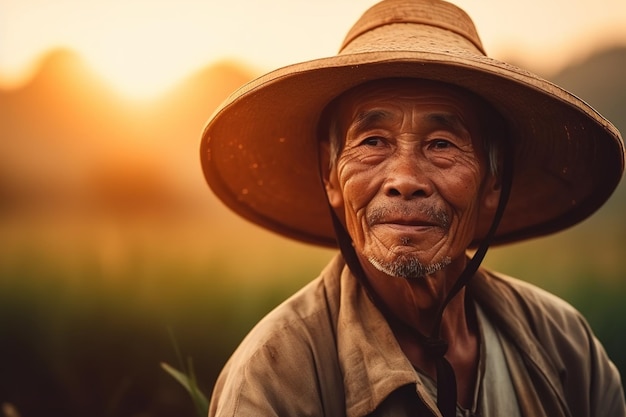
x=70, y=143
x=600, y=81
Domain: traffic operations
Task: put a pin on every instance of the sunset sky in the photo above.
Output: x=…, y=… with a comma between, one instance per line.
x=142, y=47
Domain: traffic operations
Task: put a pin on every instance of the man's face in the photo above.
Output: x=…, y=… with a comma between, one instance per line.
x=411, y=178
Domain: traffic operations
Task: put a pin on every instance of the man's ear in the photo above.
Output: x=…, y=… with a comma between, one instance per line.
x=491, y=193
x=329, y=173
x=333, y=191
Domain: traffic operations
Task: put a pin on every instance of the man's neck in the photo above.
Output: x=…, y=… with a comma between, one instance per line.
x=416, y=303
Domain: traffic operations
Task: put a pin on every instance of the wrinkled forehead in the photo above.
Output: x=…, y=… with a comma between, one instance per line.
x=407, y=91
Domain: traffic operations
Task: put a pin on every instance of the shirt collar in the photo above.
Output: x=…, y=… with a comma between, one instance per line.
x=371, y=360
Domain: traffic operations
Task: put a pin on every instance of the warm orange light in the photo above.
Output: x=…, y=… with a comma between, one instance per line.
x=144, y=47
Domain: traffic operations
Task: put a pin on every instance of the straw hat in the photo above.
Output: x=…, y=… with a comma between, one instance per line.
x=259, y=149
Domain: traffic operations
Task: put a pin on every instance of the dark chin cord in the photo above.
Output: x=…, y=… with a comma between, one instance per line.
x=434, y=345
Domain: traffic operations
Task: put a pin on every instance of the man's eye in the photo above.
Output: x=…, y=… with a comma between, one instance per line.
x=372, y=141
x=440, y=144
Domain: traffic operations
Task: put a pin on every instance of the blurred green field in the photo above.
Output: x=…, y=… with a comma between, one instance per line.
x=85, y=310
x=86, y=307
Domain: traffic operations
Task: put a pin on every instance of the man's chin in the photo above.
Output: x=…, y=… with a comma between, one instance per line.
x=408, y=267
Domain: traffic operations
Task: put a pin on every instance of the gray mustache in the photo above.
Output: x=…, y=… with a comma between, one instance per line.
x=433, y=214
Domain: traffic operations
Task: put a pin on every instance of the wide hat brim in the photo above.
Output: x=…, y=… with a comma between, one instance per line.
x=259, y=150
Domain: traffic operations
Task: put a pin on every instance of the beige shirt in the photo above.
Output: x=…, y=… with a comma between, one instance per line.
x=327, y=351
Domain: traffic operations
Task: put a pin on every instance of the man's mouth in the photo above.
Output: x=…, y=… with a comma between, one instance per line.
x=409, y=222
x=408, y=217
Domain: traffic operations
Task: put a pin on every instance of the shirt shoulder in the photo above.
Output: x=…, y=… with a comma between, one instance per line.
x=300, y=320
x=556, y=340
x=277, y=367
x=526, y=299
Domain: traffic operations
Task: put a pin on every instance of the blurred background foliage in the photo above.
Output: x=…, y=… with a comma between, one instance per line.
x=110, y=239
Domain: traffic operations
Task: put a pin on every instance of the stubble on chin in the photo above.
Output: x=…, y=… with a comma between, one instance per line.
x=409, y=267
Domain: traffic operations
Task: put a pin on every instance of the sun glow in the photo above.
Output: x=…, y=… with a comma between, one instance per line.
x=142, y=47
x=139, y=48
x=142, y=73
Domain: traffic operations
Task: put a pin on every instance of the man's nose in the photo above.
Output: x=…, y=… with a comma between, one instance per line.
x=407, y=177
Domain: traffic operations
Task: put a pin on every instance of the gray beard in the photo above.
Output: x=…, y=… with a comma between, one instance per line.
x=409, y=267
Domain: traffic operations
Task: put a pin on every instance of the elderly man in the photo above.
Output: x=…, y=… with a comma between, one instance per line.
x=405, y=150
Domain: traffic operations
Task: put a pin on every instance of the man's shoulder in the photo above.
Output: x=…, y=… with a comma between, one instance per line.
x=557, y=343
x=521, y=305
x=520, y=294
x=294, y=317
x=303, y=319
x=276, y=364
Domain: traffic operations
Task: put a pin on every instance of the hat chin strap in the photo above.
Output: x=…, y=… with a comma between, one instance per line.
x=434, y=346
